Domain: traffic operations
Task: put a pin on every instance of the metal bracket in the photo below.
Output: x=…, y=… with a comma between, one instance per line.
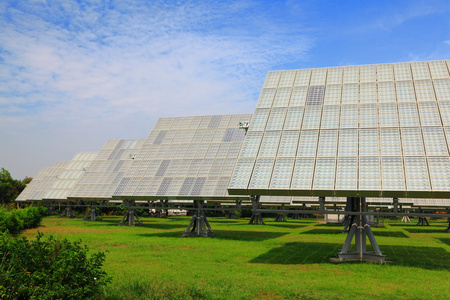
x=199, y=225
x=130, y=217
x=360, y=229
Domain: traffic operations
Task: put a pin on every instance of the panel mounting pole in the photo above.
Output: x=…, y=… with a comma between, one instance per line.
x=130, y=217
x=359, y=229
x=199, y=225
x=232, y=214
x=256, y=217
x=280, y=216
x=68, y=212
x=448, y=220
x=92, y=214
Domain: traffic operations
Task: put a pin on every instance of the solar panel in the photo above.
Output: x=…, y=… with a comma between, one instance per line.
x=71, y=174
x=102, y=177
x=45, y=178
x=356, y=131
x=187, y=158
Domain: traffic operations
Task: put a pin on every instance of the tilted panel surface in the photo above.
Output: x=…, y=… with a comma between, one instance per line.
x=370, y=131
x=105, y=172
x=70, y=176
x=42, y=182
x=193, y=157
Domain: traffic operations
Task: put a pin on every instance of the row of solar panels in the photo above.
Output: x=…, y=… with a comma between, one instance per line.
x=197, y=166
x=378, y=131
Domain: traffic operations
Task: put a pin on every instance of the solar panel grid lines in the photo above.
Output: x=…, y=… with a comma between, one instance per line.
x=378, y=116
x=71, y=174
x=191, y=152
x=105, y=172
x=45, y=178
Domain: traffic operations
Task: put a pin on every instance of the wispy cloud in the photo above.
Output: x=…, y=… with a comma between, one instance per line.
x=88, y=69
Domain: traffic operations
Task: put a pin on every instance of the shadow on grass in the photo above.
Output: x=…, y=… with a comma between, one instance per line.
x=445, y=241
x=401, y=225
x=396, y=234
x=325, y=231
x=285, y=225
x=430, y=258
x=247, y=235
x=334, y=225
x=299, y=253
x=231, y=221
x=251, y=236
x=425, y=230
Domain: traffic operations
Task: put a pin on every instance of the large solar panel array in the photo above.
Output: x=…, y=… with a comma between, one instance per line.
x=186, y=158
x=74, y=170
x=105, y=172
x=370, y=131
x=42, y=182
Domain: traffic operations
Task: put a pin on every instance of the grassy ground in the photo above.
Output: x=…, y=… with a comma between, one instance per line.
x=274, y=261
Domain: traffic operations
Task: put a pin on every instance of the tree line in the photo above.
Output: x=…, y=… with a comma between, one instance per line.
x=10, y=188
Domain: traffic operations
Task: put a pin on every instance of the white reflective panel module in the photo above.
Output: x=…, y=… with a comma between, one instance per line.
x=347, y=174
x=324, y=174
x=369, y=173
x=198, y=159
x=379, y=130
x=282, y=173
x=417, y=174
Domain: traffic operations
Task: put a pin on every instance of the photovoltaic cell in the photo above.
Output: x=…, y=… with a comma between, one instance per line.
x=194, y=157
x=373, y=131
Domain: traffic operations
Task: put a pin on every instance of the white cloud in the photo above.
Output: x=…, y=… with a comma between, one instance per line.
x=109, y=72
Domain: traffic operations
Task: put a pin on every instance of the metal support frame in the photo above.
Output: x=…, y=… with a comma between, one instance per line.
x=448, y=220
x=256, y=217
x=92, y=214
x=348, y=219
x=406, y=219
x=359, y=229
x=159, y=209
x=51, y=208
x=199, y=225
x=68, y=212
x=130, y=217
x=280, y=216
x=296, y=217
x=423, y=221
x=232, y=214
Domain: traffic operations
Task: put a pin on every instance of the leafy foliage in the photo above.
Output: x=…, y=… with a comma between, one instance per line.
x=18, y=219
x=49, y=269
x=10, y=188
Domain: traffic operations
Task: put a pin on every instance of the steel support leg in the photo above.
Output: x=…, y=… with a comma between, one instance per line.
x=67, y=213
x=280, y=216
x=296, y=217
x=199, y=225
x=130, y=218
x=92, y=214
x=232, y=215
x=360, y=229
x=406, y=219
x=423, y=221
x=256, y=218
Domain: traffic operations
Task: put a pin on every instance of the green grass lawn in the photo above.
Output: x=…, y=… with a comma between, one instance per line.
x=288, y=260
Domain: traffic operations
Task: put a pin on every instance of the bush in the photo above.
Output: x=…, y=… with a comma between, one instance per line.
x=18, y=219
x=49, y=269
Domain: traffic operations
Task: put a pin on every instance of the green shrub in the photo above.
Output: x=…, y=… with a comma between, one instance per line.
x=18, y=219
x=49, y=269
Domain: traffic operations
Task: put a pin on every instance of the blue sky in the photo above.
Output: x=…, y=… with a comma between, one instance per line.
x=74, y=74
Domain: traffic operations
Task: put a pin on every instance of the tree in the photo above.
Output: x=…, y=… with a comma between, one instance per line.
x=9, y=187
